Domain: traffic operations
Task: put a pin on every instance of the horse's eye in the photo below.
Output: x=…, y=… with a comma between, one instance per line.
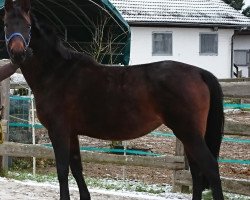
x=5, y=27
x=29, y=26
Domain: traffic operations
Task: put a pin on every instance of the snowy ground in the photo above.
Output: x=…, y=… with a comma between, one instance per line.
x=19, y=190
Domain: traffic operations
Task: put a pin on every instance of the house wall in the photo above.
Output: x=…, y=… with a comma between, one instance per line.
x=185, y=48
x=242, y=42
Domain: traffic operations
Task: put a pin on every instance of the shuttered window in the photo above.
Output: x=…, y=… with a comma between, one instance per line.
x=241, y=57
x=162, y=43
x=208, y=44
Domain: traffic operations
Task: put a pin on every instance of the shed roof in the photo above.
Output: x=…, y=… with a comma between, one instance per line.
x=192, y=12
x=76, y=22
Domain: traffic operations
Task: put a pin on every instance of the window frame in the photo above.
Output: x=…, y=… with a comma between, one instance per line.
x=247, y=57
x=208, y=53
x=162, y=54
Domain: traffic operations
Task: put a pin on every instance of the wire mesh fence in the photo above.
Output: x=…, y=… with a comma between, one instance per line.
x=23, y=123
x=19, y=130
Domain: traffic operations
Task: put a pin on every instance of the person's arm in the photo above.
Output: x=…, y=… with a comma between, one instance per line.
x=7, y=70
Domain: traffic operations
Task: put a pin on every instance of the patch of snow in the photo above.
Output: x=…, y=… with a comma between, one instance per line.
x=32, y=190
x=232, y=111
x=17, y=78
x=180, y=11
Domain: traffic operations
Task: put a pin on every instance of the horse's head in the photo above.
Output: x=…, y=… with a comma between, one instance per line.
x=17, y=27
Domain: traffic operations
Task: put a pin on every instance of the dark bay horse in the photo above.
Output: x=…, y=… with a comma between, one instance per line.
x=75, y=95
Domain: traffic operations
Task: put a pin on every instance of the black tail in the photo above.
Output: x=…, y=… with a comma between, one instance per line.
x=215, y=121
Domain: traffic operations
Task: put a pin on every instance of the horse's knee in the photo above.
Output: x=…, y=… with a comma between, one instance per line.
x=62, y=173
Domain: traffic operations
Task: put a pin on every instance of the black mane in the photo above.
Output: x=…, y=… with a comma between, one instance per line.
x=49, y=34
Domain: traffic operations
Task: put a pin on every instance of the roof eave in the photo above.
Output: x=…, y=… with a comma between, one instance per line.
x=189, y=25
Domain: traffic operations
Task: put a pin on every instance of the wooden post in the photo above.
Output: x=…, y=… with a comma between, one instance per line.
x=179, y=151
x=1, y=129
x=5, y=102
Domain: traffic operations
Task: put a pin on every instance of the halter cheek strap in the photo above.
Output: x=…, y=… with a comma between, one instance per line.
x=26, y=41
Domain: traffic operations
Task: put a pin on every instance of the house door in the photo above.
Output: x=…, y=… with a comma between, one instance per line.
x=242, y=62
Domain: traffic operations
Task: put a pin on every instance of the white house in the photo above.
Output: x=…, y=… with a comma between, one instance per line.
x=198, y=32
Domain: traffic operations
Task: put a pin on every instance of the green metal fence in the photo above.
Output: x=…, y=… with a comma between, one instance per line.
x=20, y=130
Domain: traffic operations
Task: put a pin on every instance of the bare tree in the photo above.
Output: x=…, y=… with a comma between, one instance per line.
x=105, y=43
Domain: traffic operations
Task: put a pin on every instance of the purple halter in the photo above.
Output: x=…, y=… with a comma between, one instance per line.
x=26, y=41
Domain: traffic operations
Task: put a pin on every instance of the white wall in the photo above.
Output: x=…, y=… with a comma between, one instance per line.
x=185, y=48
x=242, y=42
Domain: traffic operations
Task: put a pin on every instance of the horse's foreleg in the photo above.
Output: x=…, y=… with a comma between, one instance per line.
x=198, y=151
x=76, y=167
x=60, y=143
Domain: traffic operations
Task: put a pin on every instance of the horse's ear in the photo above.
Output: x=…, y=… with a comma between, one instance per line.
x=8, y=5
x=1, y=13
x=25, y=5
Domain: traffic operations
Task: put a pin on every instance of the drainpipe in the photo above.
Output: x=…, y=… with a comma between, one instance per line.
x=232, y=54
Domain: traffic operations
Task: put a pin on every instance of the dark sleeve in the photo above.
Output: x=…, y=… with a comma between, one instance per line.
x=7, y=70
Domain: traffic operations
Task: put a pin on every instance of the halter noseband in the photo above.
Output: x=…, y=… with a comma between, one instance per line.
x=26, y=41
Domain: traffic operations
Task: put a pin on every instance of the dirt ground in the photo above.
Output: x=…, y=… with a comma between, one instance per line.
x=166, y=145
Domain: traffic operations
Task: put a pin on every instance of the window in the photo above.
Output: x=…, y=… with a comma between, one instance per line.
x=241, y=57
x=162, y=43
x=208, y=44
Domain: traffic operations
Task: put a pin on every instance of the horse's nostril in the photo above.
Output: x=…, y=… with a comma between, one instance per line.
x=17, y=57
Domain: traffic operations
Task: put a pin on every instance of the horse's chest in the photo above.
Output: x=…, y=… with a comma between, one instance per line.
x=49, y=110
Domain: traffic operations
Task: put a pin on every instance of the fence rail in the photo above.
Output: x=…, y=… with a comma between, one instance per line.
x=39, y=151
x=183, y=177
x=236, y=89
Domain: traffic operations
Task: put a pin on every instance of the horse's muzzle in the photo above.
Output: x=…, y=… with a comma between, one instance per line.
x=17, y=57
x=17, y=47
x=17, y=50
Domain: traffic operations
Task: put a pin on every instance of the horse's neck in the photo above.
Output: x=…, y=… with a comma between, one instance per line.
x=40, y=64
x=33, y=72
x=47, y=59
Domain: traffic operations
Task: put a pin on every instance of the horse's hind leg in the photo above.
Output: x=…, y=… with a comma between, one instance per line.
x=199, y=154
x=196, y=178
x=76, y=167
